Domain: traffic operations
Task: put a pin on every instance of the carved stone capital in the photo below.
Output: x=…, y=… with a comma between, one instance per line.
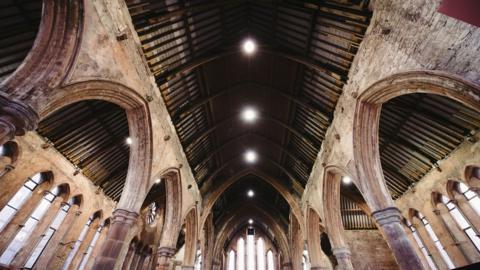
x=16, y=118
x=167, y=252
x=387, y=216
x=124, y=217
x=341, y=252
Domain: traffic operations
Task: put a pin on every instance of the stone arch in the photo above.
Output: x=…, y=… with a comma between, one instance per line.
x=191, y=225
x=173, y=215
x=367, y=118
x=472, y=175
x=331, y=199
x=64, y=191
x=211, y=198
x=139, y=125
x=366, y=124
x=46, y=66
x=313, y=224
x=228, y=228
x=10, y=150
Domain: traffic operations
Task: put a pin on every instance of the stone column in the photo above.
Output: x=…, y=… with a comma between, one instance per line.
x=16, y=118
x=122, y=223
x=184, y=267
x=389, y=222
x=165, y=255
x=342, y=254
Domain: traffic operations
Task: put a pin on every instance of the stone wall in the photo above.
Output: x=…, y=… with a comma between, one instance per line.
x=369, y=250
x=403, y=36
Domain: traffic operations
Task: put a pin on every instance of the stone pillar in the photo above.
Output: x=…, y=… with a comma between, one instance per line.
x=184, y=267
x=342, y=254
x=122, y=223
x=389, y=222
x=16, y=118
x=165, y=255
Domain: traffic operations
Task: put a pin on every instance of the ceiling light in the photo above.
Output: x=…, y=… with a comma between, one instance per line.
x=129, y=140
x=250, y=156
x=250, y=221
x=346, y=180
x=249, y=46
x=249, y=115
x=250, y=193
x=158, y=180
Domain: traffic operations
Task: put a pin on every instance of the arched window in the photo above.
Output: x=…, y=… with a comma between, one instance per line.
x=198, y=261
x=86, y=256
x=240, y=254
x=305, y=260
x=79, y=241
x=461, y=221
x=250, y=251
x=471, y=196
x=19, y=199
x=23, y=235
x=151, y=213
x=422, y=247
x=45, y=238
x=231, y=260
x=260, y=254
x=270, y=261
x=436, y=241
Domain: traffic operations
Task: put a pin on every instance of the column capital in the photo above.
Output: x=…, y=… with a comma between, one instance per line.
x=17, y=115
x=436, y=211
x=166, y=252
x=124, y=216
x=341, y=252
x=387, y=216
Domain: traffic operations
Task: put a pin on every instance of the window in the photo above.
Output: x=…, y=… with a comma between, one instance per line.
x=461, y=221
x=77, y=244
x=436, y=241
x=198, y=261
x=270, y=261
x=305, y=260
x=422, y=247
x=57, y=221
x=260, y=254
x=241, y=254
x=86, y=256
x=231, y=260
x=151, y=213
x=23, y=235
x=471, y=196
x=19, y=199
x=250, y=252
